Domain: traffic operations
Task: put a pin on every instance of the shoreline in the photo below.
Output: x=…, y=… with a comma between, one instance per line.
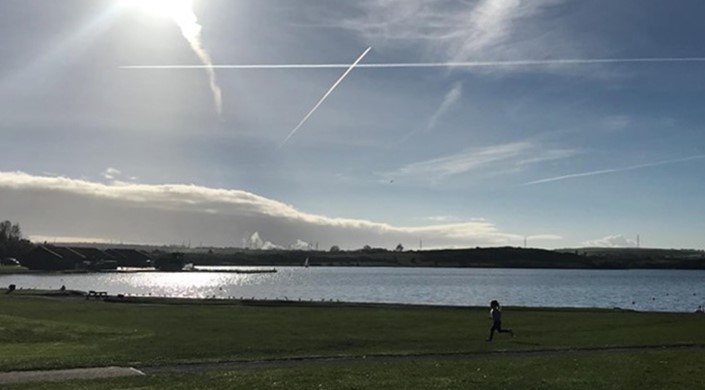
x=24, y=271
x=264, y=302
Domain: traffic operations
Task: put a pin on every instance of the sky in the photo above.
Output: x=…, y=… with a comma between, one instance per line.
x=559, y=123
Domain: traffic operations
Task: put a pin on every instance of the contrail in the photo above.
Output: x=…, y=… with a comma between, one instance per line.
x=325, y=96
x=185, y=17
x=614, y=170
x=468, y=64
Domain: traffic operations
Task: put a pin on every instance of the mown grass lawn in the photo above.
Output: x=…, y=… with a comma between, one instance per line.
x=638, y=371
x=8, y=270
x=41, y=332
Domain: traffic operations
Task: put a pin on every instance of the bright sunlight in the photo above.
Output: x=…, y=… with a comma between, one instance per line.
x=174, y=9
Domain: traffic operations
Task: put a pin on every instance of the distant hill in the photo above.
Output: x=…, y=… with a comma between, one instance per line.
x=643, y=257
x=501, y=257
x=504, y=257
x=636, y=252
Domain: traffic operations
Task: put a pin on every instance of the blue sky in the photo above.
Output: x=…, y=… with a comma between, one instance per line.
x=564, y=154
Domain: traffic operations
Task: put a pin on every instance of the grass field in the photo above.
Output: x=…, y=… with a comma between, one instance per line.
x=10, y=270
x=648, y=370
x=42, y=332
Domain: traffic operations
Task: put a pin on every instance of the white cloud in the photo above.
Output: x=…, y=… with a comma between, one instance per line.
x=255, y=241
x=464, y=30
x=73, y=239
x=544, y=237
x=615, y=241
x=451, y=98
x=548, y=155
x=496, y=158
x=114, y=174
x=443, y=218
x=492, y=23
x=269, y=246
x=617, y=122
x=174, y=213
x=465, y=161
x=301, y=245
x=111, y=173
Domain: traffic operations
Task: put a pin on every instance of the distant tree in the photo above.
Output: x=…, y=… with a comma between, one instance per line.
x=399, y=248
x=334, y=248
x=5, y=229
x=366, y=248
x=11, y=242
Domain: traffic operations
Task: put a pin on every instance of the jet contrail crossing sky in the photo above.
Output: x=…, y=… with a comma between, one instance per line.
x=325, y=96
x=467, y=64
x=614, y=170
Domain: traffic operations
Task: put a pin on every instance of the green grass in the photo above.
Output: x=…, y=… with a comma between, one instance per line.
x=7, y=270
x=646, y=370
x=40, y=332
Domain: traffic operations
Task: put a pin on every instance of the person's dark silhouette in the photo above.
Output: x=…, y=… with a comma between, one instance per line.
x=496, y=316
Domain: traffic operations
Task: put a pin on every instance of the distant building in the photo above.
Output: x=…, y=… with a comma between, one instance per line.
x=99, y=260
x=61, y=258
x=49, y=258
x=170, y=262
x=130, y=258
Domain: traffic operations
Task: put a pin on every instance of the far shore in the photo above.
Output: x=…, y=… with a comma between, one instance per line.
x=491, y=257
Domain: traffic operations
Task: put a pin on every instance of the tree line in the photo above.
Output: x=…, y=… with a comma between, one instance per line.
x=12, y=244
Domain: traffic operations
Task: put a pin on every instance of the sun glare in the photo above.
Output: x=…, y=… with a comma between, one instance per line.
x=181, y=12
x=173, y=9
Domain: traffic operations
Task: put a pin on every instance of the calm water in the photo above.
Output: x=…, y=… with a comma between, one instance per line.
x=647, y=290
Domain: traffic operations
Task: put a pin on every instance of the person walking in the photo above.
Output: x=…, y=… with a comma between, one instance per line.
x=496, y=317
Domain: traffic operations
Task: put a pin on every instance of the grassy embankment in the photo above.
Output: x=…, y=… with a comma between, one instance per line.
x=10, y=270
x=41, y=332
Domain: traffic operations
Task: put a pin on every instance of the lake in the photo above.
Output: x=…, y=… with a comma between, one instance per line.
x=644, y=290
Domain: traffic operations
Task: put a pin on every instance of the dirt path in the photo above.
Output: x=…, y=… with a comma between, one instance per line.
x=113, y=372
x=11, y=377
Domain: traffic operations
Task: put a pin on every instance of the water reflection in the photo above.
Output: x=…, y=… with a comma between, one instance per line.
x=653, y=290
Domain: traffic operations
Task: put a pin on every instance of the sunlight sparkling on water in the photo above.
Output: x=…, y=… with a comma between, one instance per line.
x=651, y=290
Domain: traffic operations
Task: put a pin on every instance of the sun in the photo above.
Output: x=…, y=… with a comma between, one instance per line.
x=172, y=9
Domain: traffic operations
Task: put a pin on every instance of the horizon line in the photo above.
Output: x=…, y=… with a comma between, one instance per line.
x=116, y=243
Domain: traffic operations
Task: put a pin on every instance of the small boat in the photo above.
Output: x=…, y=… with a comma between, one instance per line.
x=306, y=263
